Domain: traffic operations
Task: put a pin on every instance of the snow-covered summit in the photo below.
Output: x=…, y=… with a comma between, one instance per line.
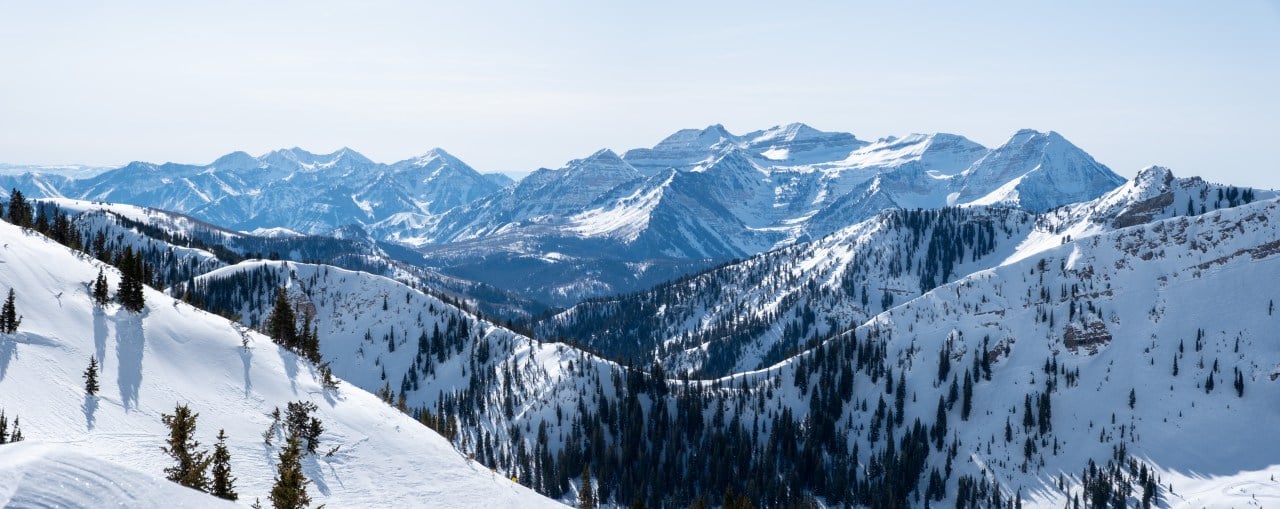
x=1036, y=171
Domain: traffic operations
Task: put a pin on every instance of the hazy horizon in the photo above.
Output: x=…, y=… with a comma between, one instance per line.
x=509, y=87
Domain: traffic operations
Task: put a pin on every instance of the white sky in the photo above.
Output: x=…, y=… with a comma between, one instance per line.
x=511, y=86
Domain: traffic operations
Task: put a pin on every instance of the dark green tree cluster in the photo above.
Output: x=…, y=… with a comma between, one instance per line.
x=101, y=291
x=132, y=276
x=300, y=421
x=282, y=327
x=290, y=488
x=9, y=319
x=20, y=212
x=223, y=484
x=91, y=377
x=192, y=464
x=7, y=436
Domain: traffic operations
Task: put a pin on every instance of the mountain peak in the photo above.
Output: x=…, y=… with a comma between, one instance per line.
x=1153, y=174
x=1037, y=171
x=237, y=159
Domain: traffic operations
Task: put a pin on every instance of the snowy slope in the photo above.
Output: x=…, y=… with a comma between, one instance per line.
x=48, y=475
x=172, y=353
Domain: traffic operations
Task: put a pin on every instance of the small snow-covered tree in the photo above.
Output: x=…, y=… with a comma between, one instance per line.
x=224, y=484
x=101, y=291
x=190, y=463
x=9, y=319
x=91, y=377
x=290, y=489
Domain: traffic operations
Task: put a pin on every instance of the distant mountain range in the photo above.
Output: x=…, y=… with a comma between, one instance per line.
x=605, y=223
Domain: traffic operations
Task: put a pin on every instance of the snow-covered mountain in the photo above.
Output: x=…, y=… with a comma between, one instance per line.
x=1067, y=352
x=711, y=195
x=172, y=353
x=697, y=198
x=290, y=188
x=749, y=314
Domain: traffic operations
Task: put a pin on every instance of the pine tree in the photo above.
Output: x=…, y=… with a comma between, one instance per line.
x=966, y=401
x=19, y=210
x=224, y=484
x=290, y=489
x=9, y=319
x=132, y=272
x=1133, y=398
x=586, y=495
x=91, y=377
x=16, y=436
x=281, y=323
x=190, y=463
x=101, y=291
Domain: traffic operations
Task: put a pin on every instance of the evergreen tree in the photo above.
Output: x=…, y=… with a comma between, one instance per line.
x=132, y=273
x=966, y=401
x=16, y=436
x=224, y=484
x=282, y=323
x=19, y=210
x=101, y=291
x=586, y=495
x=290, y=489
x=1133, y=398
x=91, y=377
x=190, y=463
x=9, y=319
x=1208, y=383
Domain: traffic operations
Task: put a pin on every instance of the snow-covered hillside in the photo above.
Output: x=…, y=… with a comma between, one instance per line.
x=172, y=353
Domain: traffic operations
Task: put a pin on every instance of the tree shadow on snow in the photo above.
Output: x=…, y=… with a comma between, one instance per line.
x=290, y=362
x=9, y=347
x=100, y=335
x=90, y=406
x=246, y=357
x=311, y=467
x=130, y=343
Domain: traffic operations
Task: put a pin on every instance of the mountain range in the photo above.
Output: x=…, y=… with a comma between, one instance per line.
x=842, y=323
x=605, y=223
